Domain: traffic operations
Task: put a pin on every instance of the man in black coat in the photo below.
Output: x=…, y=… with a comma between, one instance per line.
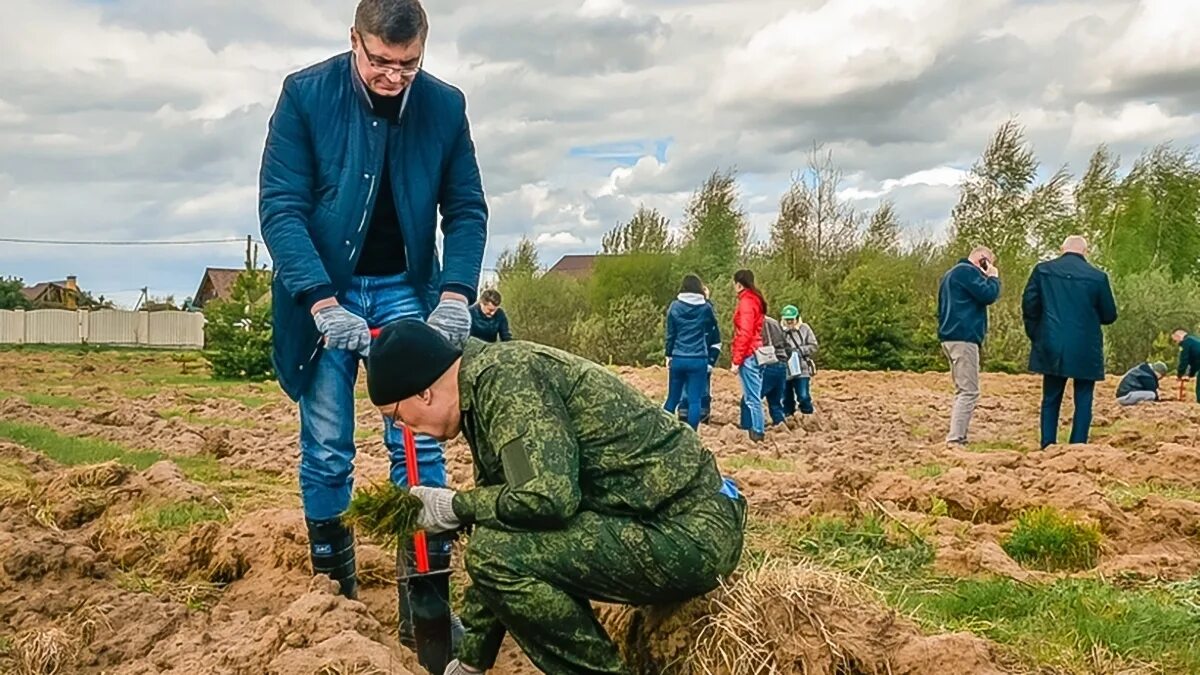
x=1065, y=303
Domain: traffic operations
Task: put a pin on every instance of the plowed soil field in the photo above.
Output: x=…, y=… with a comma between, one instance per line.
x=149, y=523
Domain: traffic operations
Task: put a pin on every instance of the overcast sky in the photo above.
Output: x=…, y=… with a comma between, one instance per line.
x=145, y=119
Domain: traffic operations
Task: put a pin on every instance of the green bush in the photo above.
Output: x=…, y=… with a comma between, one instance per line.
x=543, y=308
x=237, y=332
x=1045, y=539
x=629, y=333
x=1150, y=306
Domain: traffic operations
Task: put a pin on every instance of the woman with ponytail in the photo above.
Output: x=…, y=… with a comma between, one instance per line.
x=747, y=339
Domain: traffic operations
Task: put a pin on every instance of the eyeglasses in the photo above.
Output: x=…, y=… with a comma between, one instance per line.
x=383, y=68
x=394, y=418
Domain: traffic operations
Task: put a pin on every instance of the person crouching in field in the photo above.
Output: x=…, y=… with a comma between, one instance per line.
x=1140, y=384
x=801, y=344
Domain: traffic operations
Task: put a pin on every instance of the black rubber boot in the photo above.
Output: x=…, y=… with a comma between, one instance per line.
x=425, y=623
x=331, y=546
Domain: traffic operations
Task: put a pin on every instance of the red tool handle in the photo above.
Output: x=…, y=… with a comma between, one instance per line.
x=410, y=461
x=414, y=478
x=1182, y=384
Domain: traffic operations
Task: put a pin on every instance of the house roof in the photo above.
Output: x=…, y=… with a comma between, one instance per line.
x=222, y=280
x=574, y=265
x=36, y=291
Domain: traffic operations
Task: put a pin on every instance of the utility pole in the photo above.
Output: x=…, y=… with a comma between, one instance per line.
x=249, y=243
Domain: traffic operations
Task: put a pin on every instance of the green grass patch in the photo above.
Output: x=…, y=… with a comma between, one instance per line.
x=178, y=516
x=926, y=471
x=1059, y=624
x=920, y=431
x=240, y=489
x=868, y=546
x=1127, y=496
x=195, y=595
x=760, y=463
x=46, y=400
x=74, y=450
x=1048, y=540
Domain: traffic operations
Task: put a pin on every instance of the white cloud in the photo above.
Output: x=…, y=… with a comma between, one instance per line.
x=942, y=176
x=135, y=119
x=557, y=239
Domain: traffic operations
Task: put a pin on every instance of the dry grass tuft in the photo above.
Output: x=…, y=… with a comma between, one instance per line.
x=48, y=651
x=739, y=636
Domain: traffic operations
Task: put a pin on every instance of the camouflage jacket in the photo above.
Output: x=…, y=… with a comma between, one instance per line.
x=552, y=433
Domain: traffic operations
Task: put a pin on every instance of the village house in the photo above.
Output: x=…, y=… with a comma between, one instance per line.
x=63, y=294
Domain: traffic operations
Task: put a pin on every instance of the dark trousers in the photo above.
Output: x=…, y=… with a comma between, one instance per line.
x=1052, y=396
x=798, y=392
x=691, y=375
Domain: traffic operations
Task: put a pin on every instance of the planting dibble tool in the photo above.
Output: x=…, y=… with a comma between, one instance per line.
x=424, y=592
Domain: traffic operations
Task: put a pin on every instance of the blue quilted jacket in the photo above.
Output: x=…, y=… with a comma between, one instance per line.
x=317, y=187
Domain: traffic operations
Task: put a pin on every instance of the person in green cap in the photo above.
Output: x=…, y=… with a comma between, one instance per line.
x=1140, y=384
x=584, y=490
x=801, y=344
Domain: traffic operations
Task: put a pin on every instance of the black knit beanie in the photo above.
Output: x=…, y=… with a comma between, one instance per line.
x=406, y=359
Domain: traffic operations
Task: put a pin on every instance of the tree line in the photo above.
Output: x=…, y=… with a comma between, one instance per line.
x=870, y=295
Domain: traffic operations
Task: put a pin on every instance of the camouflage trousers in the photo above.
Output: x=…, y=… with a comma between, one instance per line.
x=537, y=585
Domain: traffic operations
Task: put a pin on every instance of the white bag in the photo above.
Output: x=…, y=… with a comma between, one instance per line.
x=793, y=365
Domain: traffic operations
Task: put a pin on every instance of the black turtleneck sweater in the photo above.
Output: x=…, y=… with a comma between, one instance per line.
x=383, y=250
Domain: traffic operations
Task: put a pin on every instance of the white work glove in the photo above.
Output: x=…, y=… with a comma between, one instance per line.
x=437, y=514
x=343, y=329
x=456, y=667
x=452, y=319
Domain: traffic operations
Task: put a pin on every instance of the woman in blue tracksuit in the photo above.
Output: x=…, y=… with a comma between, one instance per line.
x=691, y=332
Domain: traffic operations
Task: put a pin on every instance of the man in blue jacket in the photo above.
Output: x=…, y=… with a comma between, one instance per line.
x=1189, y=357
x=362, y=152
x=1065, y=303
x=963, y=298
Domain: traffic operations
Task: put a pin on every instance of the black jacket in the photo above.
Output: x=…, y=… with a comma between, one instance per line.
x=490, y=329
x=1065, y=303
x=1139, y=378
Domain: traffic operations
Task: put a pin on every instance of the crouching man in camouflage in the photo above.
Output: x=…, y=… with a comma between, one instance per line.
x=584, y=490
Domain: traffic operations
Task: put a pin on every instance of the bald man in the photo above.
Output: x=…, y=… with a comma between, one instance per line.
x=1065, y=303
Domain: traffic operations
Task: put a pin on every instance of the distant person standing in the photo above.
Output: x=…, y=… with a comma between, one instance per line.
x=963, y=298
x=1189, y=357
x=801, y=345
x=775, y=374
x=748, y=321
x=1140, y=383
x=488, y=320
x=714, y=354
x=1065, y=303
x=691, y=329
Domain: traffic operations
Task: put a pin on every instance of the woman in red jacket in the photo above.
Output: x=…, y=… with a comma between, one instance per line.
x=747, y=337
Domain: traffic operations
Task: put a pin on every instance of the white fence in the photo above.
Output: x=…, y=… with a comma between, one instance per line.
x=183, y=330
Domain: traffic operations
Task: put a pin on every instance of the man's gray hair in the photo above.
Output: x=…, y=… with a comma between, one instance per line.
x=396, y=22
x=982, y=250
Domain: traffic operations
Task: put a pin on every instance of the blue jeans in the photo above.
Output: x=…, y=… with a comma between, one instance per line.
x=774, y=382
x=327, y=408
x=1052, y=396
x=751, y=375
x=689, y=373
x=798, y=392
x=705, y=400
